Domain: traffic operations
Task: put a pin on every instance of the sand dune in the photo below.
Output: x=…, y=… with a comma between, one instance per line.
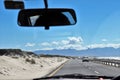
x=27, y=68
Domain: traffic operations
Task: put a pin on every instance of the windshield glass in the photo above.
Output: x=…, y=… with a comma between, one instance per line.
x=90, y=47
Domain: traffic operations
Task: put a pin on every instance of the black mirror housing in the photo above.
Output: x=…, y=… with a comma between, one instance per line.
x=46, y=17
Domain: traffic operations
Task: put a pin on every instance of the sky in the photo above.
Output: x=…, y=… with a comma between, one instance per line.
x=98, y=26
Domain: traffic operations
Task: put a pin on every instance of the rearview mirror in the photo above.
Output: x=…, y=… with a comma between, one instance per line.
x=14, y=4
x=46, y=17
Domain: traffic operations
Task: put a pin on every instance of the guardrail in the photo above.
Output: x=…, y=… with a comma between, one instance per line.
x=110, y=62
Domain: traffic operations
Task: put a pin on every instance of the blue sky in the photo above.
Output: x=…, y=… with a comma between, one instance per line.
x=98, y=25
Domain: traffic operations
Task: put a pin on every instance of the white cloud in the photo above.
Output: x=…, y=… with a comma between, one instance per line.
x=96, y=46
x=74, y=43
x=55, y=43
x=29, y=44
x=45, y=44
x=76, y=47
x=104, y=45
x=69, y=43
x=76, y=39
x=47, y=48
x=104, y=40
x=65, y=42
x=114, y=45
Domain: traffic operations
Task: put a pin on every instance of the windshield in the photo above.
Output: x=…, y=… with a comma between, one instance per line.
x=90, y=47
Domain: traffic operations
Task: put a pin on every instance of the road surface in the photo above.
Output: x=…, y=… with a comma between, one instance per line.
x=90, y=68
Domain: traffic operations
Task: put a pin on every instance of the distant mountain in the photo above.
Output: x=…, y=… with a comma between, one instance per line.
x=104, y=52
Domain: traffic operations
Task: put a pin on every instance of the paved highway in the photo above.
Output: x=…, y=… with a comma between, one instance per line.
x=89, y=68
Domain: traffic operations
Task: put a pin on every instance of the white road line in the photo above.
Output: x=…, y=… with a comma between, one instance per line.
x=60, y=67
x=97, y=72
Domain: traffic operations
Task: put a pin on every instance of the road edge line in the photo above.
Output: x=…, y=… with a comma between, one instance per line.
x=56, y=70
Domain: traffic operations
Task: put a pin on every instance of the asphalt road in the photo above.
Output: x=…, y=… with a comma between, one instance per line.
x=88, y=68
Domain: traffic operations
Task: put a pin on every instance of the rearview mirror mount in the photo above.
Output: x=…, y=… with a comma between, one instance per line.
x=46, y=17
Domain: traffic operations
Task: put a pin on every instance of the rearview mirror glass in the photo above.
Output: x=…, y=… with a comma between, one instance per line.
x=14, y=4
x=46, y=17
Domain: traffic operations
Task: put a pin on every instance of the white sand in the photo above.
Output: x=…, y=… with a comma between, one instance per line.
x=12, y=68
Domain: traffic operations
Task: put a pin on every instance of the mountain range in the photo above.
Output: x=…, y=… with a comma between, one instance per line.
x=102, y=52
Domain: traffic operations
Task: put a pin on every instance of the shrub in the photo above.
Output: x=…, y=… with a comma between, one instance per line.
x=32, y=61
x=41, y=65
x=15, y=57
x=27, y=60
